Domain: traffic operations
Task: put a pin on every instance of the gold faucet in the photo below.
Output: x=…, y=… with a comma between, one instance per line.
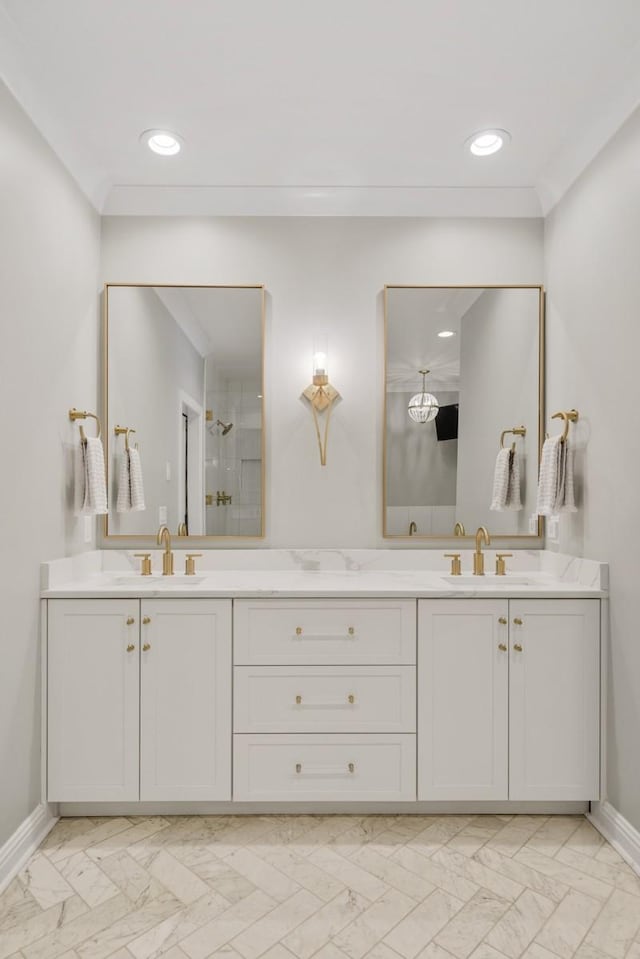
x=412, y=528
x=458, y=530
x=164, y=536
x=222, y=498
x=478, y=556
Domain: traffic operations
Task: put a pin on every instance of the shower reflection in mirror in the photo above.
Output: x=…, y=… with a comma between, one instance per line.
x=185, y=364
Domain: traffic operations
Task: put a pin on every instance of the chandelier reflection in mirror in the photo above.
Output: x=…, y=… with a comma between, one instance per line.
x=423, y=407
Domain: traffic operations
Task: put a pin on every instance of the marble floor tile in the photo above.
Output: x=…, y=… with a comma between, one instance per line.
x=617, y=925
x=323, y=887
x=521, y=923
x=469, y=927
x=566, y=928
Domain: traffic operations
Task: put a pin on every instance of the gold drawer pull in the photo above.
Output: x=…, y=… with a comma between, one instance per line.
x=130, y=648
x=517, y=621
x=130, y=620
x=517, y=647
x=146, y=620
x=351, y=768
x=503, y=620
x=502, y=647
x=146, y=647
x=351, y=631
x=298, y=630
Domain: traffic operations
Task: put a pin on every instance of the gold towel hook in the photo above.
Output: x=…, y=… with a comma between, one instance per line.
x=515, y=431
x=120, y=430
x=75, y=414
x=569, y=416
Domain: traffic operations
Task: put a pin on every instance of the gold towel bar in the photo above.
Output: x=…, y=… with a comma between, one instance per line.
x=120, y=430
x=569, y=416
x=515, y=431
x=75, y=414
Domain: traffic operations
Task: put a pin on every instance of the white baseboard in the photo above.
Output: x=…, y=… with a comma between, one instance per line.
x=23, y=843
x=624, y=837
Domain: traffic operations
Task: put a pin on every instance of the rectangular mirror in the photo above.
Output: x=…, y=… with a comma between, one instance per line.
x=183, y=387
x=479, y=353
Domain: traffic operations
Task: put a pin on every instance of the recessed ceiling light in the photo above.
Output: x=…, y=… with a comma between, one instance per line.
x=162, y=142
x=486, y=142
x=446, y=333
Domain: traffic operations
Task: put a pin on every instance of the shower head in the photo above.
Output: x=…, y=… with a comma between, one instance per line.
x=226, y=427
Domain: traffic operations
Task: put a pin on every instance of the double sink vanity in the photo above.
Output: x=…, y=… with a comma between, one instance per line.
x=279, y=677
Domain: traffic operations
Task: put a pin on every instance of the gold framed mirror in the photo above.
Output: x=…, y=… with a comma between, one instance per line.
x=183, y=411
x=463, y=378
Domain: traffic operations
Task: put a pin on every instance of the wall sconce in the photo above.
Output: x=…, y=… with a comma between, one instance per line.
x=321, y=395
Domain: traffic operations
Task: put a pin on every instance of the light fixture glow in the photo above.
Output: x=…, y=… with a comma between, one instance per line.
x=162, y=142
x=423, y=407
x=486, y=142
x=445, y=334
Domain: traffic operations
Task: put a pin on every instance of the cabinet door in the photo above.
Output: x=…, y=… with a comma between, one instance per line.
x=185, y=709
x=93, y=681
x=554, y=699
x=463, y=681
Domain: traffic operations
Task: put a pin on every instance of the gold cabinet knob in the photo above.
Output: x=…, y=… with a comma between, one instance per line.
x=298, y=630
x=517, y=647
x=517, y=621
x=298, y=767
x=298, y=700
x=503, y=620
x=351, y=631
x=146, y=647
x=502, y=647
x=146, y=620
x=351, y=698
x=352, y=767
x=130, y=648
x=130, y=620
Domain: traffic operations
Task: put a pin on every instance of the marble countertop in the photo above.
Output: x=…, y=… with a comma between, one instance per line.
x=313, y=574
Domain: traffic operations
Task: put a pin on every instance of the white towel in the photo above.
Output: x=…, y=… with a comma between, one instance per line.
x=506, y=482
x=130, y=485
x=555, y=482
x=91, y=484
x=501, y=481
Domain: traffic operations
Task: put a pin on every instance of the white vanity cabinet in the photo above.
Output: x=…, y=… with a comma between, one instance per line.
x=508, y=704
x=93, y=666
x=554, y=702
x=139, y=700
x=324, y=700
x=185, y=699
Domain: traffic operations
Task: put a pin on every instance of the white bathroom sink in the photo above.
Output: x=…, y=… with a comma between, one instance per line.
x=469, y=581
x=156, y=580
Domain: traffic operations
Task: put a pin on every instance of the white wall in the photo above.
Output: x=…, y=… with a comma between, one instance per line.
x=593, y=305
x=421, y=471
x=499, y=384
x=49, y=249
x=323, y=273
x=151, y=364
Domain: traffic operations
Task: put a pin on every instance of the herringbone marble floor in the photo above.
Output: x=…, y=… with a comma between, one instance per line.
x=328, y=887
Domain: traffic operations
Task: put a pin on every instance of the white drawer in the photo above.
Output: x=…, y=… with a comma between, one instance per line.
x=312, y=768
x=329, y=699
x=282, y=632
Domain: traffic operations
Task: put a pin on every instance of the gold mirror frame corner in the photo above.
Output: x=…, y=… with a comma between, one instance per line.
x=202, y=540
x=447, y=541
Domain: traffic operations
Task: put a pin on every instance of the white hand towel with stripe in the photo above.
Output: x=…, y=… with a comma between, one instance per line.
x=506, y=482
x=130, y=485
x=555, y=482
x=91, y=483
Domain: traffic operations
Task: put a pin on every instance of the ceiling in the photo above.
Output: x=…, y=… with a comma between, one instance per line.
x=345, y=107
